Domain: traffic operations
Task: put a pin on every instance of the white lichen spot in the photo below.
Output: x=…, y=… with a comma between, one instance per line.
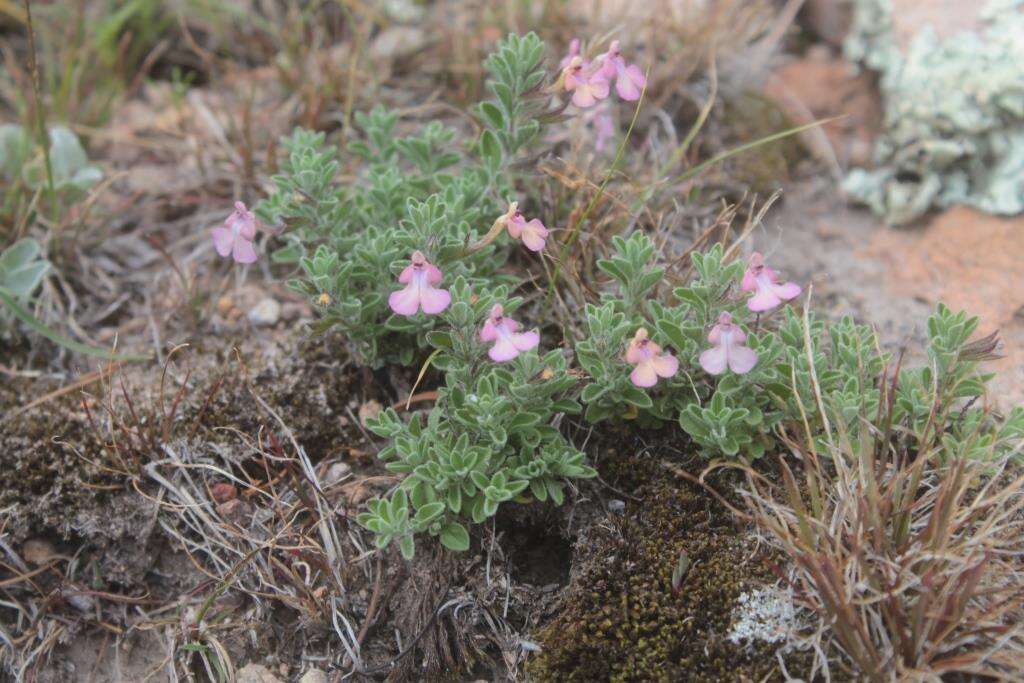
x=766, y=614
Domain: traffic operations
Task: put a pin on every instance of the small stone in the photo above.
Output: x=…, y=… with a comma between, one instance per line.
x=369, y=410
x=222, y=492
x=616, y=505
x=235, y=510
x=313, y=676
x=256, y=673
x=224, y=305
x=266, y=313
x=38, y=551
x=397, y=42
x=336, y=473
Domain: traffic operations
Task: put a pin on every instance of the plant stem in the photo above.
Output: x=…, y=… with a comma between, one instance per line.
x=40, y=113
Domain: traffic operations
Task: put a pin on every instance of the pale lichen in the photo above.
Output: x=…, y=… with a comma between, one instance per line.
x=954, y=113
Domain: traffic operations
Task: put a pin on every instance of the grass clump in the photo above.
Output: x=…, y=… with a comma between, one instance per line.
x=904, y=523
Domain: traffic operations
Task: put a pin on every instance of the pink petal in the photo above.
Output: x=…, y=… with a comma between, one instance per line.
x=405, y=301
x=742, y=359
x=609, y=66
x=599, y=86
x=764, y=300
x=788, y=291
x=242, y=251
x=713, y=360
x=515, y=226
x=665, y=365
x=488, y=333
x=582, y=98
x=222, y=240
x=630, y=82
x=405, y=277
x=434, y=300
x=526, y=340
x=503, y=350
x=644, y=375
x=509, y=325
x=534, y=235
x=749, y=283
x=634, y=354
x=434, y=275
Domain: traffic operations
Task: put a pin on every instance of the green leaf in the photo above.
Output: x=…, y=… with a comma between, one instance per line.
x=490, y=149
x=455, y=537
x=22, y=281
x=38, y=327
x=408, y=547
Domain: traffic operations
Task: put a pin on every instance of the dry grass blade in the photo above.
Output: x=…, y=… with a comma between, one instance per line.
x=911, y=555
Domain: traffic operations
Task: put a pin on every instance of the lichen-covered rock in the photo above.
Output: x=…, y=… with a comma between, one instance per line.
x=954, y=108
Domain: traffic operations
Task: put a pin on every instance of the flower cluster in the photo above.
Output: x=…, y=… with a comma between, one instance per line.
x=421, y=292
x=590, y=81
x=728, y=340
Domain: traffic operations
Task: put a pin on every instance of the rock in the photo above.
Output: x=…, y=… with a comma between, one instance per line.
x=224, y=305
x=962, y=257
x=336, y=473
x=821, y=85
x=256, y=673
x=235, y=510
x=946, y=17
x=38, y=551
x=969, y=261
x=266, y=313
x=369, y=410
x=396, y=42
x=313, y=676
x=222, y=492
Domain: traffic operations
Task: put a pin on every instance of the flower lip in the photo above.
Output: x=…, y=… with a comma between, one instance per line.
x=649, y=361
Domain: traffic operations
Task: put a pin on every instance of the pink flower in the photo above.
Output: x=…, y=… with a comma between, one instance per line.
x=727, y=349
x=508, y=342
x=419, y=279
x=764, y=281
x=574, y=51
x=587, y=85
x=629, y=79
x=533, y=233
x=236, y=236
x=651, y=363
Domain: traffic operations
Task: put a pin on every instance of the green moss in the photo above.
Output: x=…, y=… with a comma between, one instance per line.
x=620, y=620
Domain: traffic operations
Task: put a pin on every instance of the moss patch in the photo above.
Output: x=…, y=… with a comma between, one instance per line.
x=619, y=618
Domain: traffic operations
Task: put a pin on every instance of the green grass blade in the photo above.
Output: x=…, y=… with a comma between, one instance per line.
x=54, y=336
x=751, y=145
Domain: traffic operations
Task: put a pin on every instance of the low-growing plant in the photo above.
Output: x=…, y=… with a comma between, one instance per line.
x=416, y=193
x=400, y=262
x=492, y=436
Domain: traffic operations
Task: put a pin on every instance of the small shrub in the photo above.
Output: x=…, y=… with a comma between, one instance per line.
x=491, y=438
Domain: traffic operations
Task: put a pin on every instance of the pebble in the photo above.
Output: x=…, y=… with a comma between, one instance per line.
x=38, y=551
x=369, y=410
x=256, y=673
x=222, y=492
x=336, y=473
x=313, y=676
x=266, y=313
